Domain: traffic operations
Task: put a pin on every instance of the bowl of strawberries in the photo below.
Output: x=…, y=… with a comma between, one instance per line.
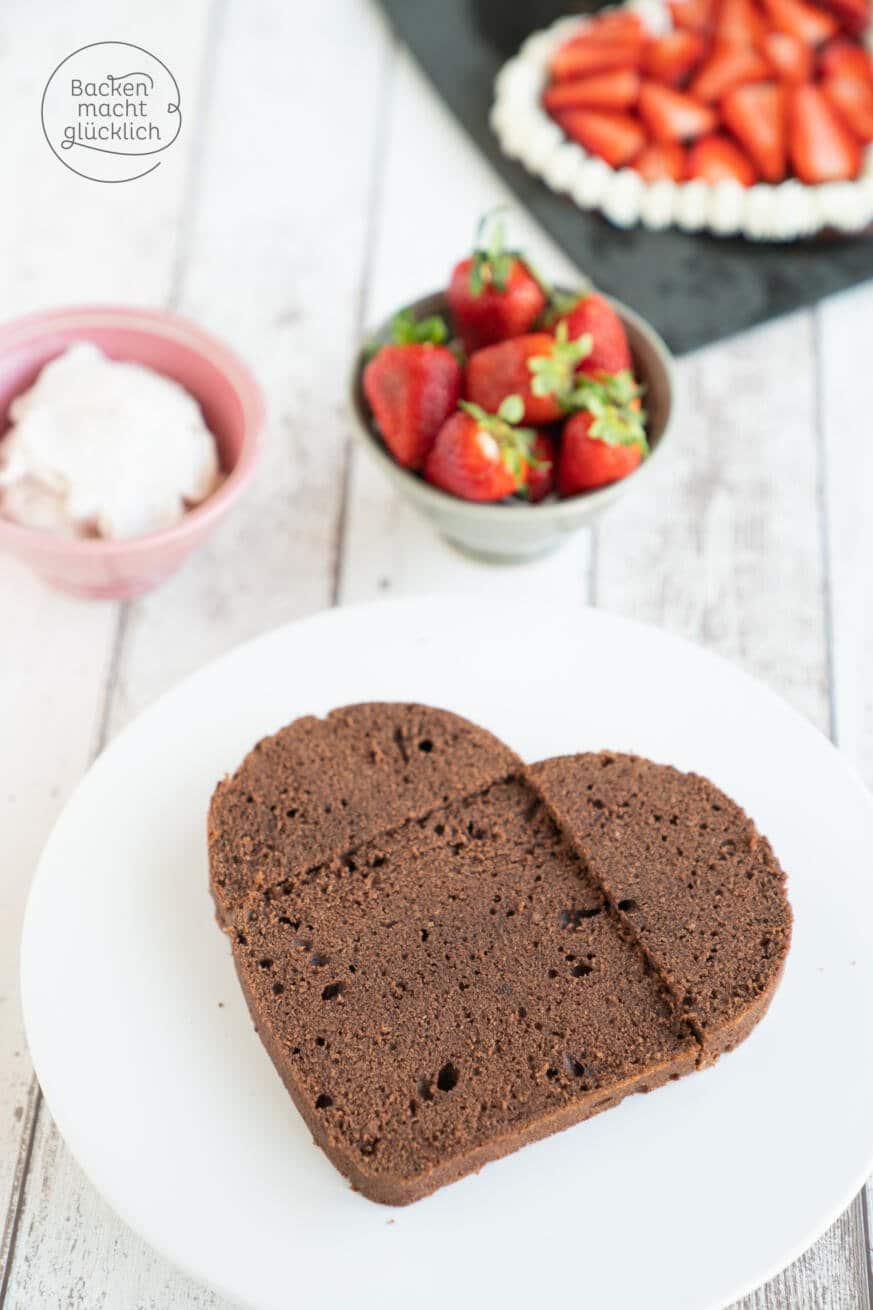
x=510, y=413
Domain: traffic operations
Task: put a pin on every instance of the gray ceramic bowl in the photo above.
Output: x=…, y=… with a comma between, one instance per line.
x=506, y=533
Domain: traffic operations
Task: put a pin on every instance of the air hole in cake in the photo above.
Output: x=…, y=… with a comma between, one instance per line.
x=250, y=800
x=278, y=988
x=447, y=1078
x=425, y=745
x=553, y=973
x=369, y=1146
x=628, y=905
x=425, y=1090
x=378, y=861
x=572, y=918
x=319, y=960
x=331, y=990
x=319, y=1041
x=551, y=1072
x=598, y=804
x=324, y=1102
x=266, y=963
x=242, y=939
x=522, y=1012
x=440, y=829
x=413, y=1108
x=291, y=814
x=573, y=1066
x=424, y=934
x=581, y=970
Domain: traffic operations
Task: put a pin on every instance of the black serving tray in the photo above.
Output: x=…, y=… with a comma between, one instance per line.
x=695, y=289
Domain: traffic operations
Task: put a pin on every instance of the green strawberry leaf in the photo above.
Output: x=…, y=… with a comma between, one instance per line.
x=492, y=260
x=615, y=422
x=511, y=409
x=555, y=374
x=405, y=331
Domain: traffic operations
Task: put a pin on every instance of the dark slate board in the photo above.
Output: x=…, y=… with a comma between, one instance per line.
x=695, y=289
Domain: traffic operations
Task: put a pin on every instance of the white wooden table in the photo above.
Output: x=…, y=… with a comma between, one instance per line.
x=318, y=183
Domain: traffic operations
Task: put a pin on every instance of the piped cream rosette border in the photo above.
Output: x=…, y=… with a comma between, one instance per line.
x=763, y=212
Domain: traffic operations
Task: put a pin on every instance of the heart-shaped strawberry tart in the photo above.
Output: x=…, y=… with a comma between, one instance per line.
x=449, y=954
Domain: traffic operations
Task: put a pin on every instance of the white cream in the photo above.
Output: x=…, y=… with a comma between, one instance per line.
x=100, y=447
x=761, y=213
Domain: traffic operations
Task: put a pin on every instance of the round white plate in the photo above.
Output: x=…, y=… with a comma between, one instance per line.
x=149, y=1062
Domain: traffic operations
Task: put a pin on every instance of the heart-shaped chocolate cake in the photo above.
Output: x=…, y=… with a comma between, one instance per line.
x=449, y=954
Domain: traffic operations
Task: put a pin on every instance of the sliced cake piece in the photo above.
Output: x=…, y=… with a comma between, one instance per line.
x=321, y=786
x=451, y=991
x=689, y=873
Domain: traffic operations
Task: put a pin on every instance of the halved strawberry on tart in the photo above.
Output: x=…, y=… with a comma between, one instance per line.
x=749, y=117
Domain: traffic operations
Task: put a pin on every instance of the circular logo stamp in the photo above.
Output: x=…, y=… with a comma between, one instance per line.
x=109, y=110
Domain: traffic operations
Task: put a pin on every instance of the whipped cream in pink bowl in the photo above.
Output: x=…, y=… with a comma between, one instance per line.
x=125, y=435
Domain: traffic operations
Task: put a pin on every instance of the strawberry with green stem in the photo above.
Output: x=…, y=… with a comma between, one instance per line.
x=605, y=439
x=539, y=368
x=591, y=315
x=412, y=385
x=494, y=294
x=482, y=456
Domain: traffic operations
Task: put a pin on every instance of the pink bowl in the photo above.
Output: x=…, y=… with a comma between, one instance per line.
x=232, y=406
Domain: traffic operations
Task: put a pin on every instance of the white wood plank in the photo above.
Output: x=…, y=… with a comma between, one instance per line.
x=54, y=663
x=831, y=1275
x=845, y=337
x=273, y=265
x=725, y=547
x=68, y=240
x=845, y=331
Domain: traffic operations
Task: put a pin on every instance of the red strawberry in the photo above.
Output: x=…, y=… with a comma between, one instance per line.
x=582, y=57
x=593, y=316
x=852, y=98
x=664, y=159
x=798, y=19
x=672, y=116
x=539, y=368
x=494, y=294
x=728, y=66
x=756, y=116
x=614, y=137
x=739, y=22
x=619, y=25
x=670, y=58
x=614, y=90
x=853, y=15
x=541, y=468
x=788, y=56
x=842, y=56
x=480, y=456
x=601, y=444
x=693, y=15
x=716, y=159
x=822, y=147
x=412, y=384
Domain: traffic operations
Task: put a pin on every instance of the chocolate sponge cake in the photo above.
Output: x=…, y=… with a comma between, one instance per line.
x=467, y=954
x=690, y=875
x=321, y=786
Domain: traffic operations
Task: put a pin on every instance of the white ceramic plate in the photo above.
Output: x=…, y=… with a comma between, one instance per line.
x=144, y=1048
